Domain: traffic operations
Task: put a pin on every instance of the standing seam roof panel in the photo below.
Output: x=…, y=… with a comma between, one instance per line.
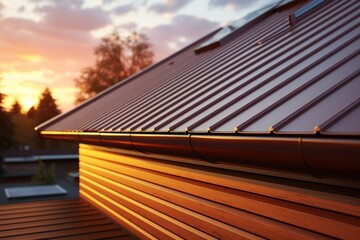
x=281, y=93
x=176, y=85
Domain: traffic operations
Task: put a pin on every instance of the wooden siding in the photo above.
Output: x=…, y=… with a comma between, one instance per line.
x=173, y=200
x=57, y=219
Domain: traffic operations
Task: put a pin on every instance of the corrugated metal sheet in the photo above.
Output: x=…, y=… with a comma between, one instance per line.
x=272, y=77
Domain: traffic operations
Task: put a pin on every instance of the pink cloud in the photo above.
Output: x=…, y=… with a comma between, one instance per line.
x=187, y=27
x=236, y=4
x=20, y=36
x=69, y=15
x=169, y=7
x=62, y=41
x=120, y=10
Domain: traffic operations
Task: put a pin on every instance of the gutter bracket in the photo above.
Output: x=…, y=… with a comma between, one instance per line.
x=197, y=154
x=302, y=158
x=133, y=145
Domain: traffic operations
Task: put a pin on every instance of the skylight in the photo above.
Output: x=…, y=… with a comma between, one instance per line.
x=305, y=9
x=216, y=40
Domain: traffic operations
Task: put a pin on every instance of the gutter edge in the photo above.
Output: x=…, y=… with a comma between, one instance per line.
x=318, y=158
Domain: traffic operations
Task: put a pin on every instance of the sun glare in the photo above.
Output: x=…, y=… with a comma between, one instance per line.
x=31, y=58
x=27, y=103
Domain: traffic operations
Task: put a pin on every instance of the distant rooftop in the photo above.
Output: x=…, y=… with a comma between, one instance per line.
x=13, y=156
x=60, y=219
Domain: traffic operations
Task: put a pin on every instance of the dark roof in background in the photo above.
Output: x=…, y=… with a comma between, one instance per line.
x=71, y=186
x=38, y=154
x=268, y=77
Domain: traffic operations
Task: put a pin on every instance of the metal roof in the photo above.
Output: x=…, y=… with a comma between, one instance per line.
x=271, y=77
x=281, y=92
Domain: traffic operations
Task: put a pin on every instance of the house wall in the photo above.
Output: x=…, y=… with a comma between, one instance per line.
x=154, y=198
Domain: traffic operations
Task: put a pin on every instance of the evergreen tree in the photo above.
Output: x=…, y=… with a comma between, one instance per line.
x=2, y=169
x=6, y=127
x=116, y=59
x=24, y=133
x=15, y=108
x=44, y=175
x=46, y=109
x=31, y=113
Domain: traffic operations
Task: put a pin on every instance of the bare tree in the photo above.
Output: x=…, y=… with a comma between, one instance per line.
x=116, y=59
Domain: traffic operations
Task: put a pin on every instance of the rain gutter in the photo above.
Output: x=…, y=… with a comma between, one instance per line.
x=317, y=157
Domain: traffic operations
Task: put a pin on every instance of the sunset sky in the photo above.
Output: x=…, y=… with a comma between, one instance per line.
x=47, y=42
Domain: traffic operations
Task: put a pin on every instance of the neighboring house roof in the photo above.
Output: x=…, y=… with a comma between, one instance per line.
x=286, y=82
x=65, y=218
x=14, y=156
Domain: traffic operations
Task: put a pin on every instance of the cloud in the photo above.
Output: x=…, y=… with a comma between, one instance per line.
x=133, y=2
x=21, y=9
x=169, y=7
x=54, y=49
x=121, y=10
x=23, y=36
x=108, y=1
x=37, y=1
x=233, y=3
x=69, y=15
x=2, y=6
x=184, y=30
x=130, y=26
x=61, y=38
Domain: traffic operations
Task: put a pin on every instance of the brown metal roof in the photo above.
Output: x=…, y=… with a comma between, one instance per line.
x=60, y=219
x=270, y=77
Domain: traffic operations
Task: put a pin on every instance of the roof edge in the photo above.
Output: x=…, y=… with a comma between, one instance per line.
x=325, y=158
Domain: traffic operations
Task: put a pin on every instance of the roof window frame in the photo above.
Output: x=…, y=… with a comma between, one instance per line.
x=304, y=10
x=225, y=33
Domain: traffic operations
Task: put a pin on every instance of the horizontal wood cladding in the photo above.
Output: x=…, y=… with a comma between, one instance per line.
x=172, y=200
